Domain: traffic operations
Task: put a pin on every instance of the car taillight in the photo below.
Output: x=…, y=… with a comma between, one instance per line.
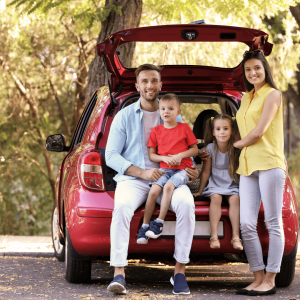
x=91, y=171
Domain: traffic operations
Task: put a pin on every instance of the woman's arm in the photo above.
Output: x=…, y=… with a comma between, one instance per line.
x=204, y=177
x=270, y=108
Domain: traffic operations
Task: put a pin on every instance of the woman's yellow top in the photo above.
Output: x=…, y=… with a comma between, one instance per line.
x=267, y=153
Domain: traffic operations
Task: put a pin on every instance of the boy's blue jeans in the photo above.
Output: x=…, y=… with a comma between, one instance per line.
x=177, y=176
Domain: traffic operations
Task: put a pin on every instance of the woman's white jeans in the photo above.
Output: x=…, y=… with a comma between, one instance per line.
x=266, y=186
x=130, y=195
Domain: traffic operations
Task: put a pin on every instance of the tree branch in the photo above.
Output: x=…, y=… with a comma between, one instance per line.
x=21, y=88
x=54, y=92
x=36, y=163
x=81, y=44
x=296, y=13
x=294, y=98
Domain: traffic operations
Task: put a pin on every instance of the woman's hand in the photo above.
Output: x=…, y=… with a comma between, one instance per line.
x=238, y=145
x=193, y=173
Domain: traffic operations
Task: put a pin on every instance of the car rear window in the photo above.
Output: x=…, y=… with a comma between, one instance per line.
x=216, y=54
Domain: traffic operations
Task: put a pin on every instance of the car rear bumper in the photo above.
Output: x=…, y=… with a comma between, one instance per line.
x=91, y=235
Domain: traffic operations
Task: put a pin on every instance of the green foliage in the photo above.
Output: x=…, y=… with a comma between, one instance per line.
x=32, y=58
x=86, y=13
x=238, y=11
x=252, y=14
x=293, y=161
x=25, y=198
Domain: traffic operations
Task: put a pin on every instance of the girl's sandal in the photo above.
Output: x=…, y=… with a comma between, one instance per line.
x=237, y=244
x=214, y=243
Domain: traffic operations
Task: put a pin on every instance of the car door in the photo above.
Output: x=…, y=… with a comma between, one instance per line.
x=68, y=168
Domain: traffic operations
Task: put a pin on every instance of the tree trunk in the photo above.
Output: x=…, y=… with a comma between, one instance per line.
x=291, y=92
x=130, y=18
x=81, y=83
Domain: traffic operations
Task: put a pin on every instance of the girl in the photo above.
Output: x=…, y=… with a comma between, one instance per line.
x=261, y=169
x=220, y=169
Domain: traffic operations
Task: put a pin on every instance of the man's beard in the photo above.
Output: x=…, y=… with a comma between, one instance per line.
x=150, y=99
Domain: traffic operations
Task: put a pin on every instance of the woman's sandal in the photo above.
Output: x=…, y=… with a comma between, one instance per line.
x=237, y=244
x=214, y=243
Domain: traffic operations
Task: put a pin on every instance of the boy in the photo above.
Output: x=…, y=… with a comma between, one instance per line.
x=171, y=144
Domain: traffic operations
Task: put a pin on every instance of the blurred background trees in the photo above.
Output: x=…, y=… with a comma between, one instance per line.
x=49, y=70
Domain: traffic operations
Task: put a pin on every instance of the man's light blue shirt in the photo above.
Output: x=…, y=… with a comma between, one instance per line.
x=126, y=141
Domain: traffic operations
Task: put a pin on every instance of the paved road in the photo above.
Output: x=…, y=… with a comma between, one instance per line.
x=43, y=278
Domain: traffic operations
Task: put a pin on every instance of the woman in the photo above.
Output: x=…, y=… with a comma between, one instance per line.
x=261, y=169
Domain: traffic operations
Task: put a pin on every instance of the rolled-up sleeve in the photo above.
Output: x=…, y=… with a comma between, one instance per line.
x=115, y=144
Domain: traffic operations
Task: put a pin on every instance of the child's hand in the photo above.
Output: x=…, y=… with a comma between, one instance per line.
x=170, y=161
x=197, y=194
x=176, y=159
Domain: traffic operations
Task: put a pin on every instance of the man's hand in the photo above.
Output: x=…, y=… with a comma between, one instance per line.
x=152, y=174
x=193, y=173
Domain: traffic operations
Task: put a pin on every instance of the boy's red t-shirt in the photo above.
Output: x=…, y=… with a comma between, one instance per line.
x=172, y=141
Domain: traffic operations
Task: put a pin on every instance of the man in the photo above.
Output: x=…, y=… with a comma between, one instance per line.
x=127, y=153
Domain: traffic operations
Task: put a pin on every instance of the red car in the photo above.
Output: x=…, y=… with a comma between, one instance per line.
x=85, y=187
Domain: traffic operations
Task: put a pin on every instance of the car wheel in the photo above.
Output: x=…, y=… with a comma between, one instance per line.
x=59, y=249
x=77, y=270
x=287, y=273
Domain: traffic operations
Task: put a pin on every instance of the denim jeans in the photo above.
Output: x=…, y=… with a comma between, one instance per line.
x=266, y=186
x=177, y=176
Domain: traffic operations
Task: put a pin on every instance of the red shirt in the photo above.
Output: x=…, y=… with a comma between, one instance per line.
x=172, y=141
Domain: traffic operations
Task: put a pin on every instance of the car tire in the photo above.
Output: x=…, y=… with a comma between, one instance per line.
x=77, y=270
x=287, y=273
x=59, y=249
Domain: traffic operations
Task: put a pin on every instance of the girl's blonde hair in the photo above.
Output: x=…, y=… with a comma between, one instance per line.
x=234, y=153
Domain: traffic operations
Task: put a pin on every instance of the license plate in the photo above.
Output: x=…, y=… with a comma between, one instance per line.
x=202, y=229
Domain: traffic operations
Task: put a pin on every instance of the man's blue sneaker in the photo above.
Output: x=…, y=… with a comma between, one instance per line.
x=142, y=238
x=118, y=285
x=180, y=285
x=155, y=229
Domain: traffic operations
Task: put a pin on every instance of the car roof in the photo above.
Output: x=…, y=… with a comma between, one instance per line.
x=211, y=78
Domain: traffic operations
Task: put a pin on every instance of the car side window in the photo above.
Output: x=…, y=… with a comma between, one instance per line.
x=83, y=121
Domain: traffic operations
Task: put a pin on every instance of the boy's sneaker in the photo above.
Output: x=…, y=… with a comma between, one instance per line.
x=118, y=285
x=142, y=238
x=172, y=279
x=155, y=229
x=180, y=285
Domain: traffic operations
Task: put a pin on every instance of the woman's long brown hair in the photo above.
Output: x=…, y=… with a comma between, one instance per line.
x=257, y=55
x=234, y=153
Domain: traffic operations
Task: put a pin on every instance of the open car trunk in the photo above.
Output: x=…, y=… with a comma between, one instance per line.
x=192, y=105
